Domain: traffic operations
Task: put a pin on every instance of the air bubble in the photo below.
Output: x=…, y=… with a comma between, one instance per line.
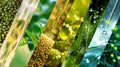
x=91, y=10
x=97, y=12
x=94, y=21
x=94, y=17
x=101, y=9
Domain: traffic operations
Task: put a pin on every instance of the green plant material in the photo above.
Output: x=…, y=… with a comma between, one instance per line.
x=8, y=10
x=50, y=31
x=112, y=45
x=34, y=40
x=70, y=27
x=57, y=18
x=85, y=33
x=114, y=60
x=111, y=54
x=115, y=48
x=115, y=29
x=23, y=41
x=40, y=56
x=54, y=58
x=118, y=57
x=62, y=45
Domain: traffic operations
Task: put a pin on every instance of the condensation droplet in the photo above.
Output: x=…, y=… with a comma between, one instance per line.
x=101, y=26
x=87, y=61
x=99, y=57
x=104, y=33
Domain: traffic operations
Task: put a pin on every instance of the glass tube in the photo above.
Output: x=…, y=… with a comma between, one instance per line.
x=50, y=32
x=85, y=33
x=67, y=33
x=16, y=31
x=102, y=34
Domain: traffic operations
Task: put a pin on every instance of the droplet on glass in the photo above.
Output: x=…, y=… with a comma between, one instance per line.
x=101, y=26
x=104, y=33
x=99, y=57
x=87, y=61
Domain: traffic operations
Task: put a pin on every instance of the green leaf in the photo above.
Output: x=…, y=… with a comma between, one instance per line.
x=31, y=46
x=23, y=41
x=32, y=37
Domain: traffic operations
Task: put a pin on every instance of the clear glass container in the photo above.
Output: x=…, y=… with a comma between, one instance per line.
x=16, y=31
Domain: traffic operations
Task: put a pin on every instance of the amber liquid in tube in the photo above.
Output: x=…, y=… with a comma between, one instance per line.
x=67, y=33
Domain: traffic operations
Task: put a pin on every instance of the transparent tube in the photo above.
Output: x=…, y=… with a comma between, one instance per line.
x=102, y=34
x=67, y=33
x=50, y=32
x=85, y=34
x=16, y=31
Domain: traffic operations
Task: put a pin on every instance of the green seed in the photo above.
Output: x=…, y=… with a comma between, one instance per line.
x=115, y=48
x=117, y=35
x=114, y=60
x=112, y=55
x=112, y=45
x=118, y=57
x=115, y=29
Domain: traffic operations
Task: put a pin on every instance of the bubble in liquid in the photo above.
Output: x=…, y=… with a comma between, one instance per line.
x=91, y=10
x=94, y=21
x=94, y=17
x=101, y=9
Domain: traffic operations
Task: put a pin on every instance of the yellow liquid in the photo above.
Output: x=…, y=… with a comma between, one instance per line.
x=50, y=32
x=67, y=32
